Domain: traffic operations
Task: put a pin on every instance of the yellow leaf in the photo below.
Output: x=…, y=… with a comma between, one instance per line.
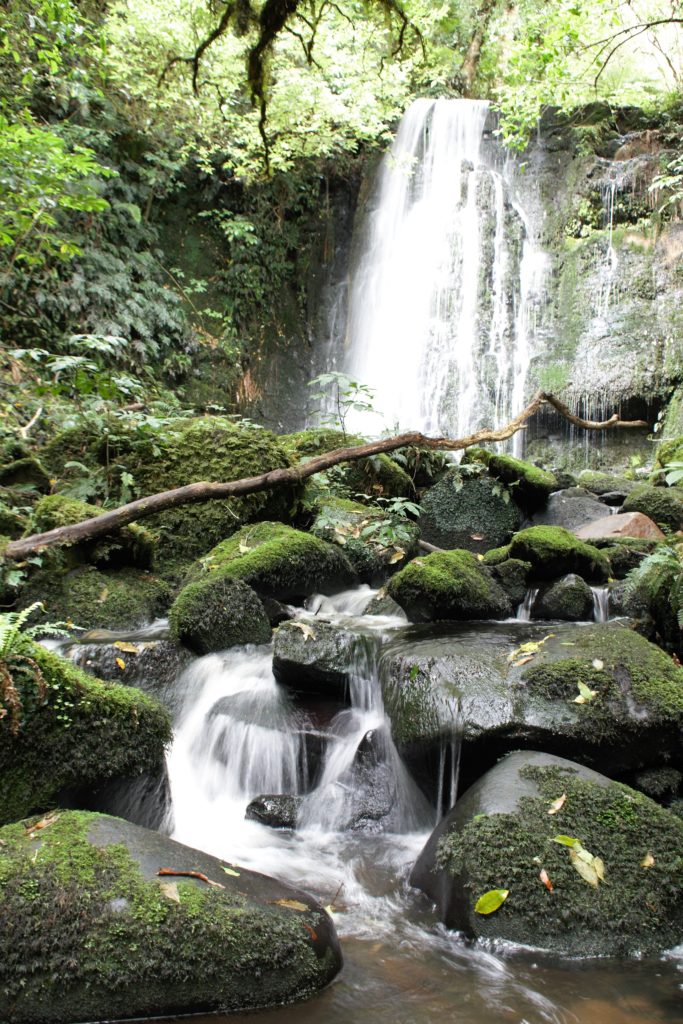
x=585, y=869
x=104, y=594
x=491, y=901
x=170, y=891
x=558, y=804
x=599, y=665
x=398, y=554
x=599, y=866
x=121, y=663
x=230, y=871
x=128, y=648
x=648, y=860
x=308, y=633
x=293, y=905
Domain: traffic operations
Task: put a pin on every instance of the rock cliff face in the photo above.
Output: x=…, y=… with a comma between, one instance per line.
x=604, y=313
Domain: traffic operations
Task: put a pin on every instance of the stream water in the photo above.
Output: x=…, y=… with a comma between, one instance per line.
x=239, y=734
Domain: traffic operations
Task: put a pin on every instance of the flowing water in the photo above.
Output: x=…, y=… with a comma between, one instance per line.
x=441, y=308
x=239, y=734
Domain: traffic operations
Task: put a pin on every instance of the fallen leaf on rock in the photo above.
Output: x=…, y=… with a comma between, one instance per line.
x=476, y=536
x=190, y=874
x=104, y=594
x=566, y=841
x=558, y=804
x=647, y=861
x=45, y=822
x=491, y=901
x=230, y=871
x=586, y=869
x=128, y=648
x=308, y=633
x=599, y=665
x=546, y=880
x=398, y=554
x=522, y=661
x=170, y=891
x=585, y=694
x=311, y=931
x=293, y=905
x=121, y=663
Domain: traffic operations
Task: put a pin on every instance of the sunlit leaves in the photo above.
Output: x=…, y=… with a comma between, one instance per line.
x=491, y=901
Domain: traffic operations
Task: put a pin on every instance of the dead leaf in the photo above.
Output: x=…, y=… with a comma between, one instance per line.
x=585, y=869
x=121, y=663
x=522, y=661
x=546, y=880
x=599, y=866
x=558, y=804
x=308, y=633
x=585, y=694
x=598, y=664
x=104, y=594
x=190, y=874
x=170, y=891
x=311, y=931
x=476, y=536
x=648, y=860
x=128, y=648
x=398, y=554
x=293, y=905
x=45, y=822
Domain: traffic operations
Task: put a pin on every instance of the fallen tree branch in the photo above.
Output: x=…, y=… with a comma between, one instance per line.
x=196, y=493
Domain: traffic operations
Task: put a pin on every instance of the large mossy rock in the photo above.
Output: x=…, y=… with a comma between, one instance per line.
x=94, y=599
x=217, y=613
x=90, y=931
x=467, y=512
x=530, y=485
x=500, y=836
x=82, y=732
x=664, y=505
x=207, y=448
x=449, y=585
x=604, y=483
x=379, y=476
x=132, y=545
x=553, y=551
x=502, y=686
x=374, y=542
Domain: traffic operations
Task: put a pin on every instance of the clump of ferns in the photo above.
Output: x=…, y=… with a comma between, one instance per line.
x=22, y=683
x=658, y=580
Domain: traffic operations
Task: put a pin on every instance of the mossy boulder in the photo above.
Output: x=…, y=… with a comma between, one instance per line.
x=93, y=599
x=217, y=613
x=27, y=471
x=374, y=541
x=81, y=732
x=276, y=561
x=604, y=483
x=449, y=585
x=378, y=476
x=132, y=545
x=315, y=657
x=467, y=512
x=664, y=505
x=119, y=941
x=569, y=598
x=530, y=485
x=670, y=450
x=206, y=448
x=513, y=576
x=553, y=551
x=503, y=685
x=500, y=836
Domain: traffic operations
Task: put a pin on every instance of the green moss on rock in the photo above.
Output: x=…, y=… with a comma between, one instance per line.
x=569, y=599
x=83, y=733
x=89, y=931
x=529, y=485
x=663, y=505
x=467, y=512
x=131, y=545
x=379, y=476
x=93, y=599
x=448, y=585
x=554, y=551
x=350, y=525
x=27, y=471
x=218, y=613
x=495, y=556
x=502, y=840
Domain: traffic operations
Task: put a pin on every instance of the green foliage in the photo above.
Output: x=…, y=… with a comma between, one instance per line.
x=657, y=582
x=341, y=395
x=22, y=683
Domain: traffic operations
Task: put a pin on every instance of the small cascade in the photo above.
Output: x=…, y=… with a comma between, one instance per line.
x=441, y=303
x=447, y=780
x=524, y=609
x=600, y=603
x=611, y=259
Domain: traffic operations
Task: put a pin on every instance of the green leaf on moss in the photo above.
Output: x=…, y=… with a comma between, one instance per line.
x=491, y=901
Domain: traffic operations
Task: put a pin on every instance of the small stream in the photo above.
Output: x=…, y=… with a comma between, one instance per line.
x=239, y=734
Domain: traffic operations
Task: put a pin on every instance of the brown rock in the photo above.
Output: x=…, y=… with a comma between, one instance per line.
x=625, y=524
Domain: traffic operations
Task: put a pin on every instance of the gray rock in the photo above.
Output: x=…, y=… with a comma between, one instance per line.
x=275, y=809
x=570, y=508
x=317, y=656
x=499, y=836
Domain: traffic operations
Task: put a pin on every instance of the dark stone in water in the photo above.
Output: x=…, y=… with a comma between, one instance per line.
x=569, y=599
x=275, y=810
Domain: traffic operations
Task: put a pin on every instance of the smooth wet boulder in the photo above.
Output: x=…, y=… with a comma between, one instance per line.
x=530, y=485
x=570, y=509
x=449, y=585
x=375, y=542
x=93, y=599
x=276, y=810
x=513, y=576
x=150, y=665
x=502, y=836
x=119, y=940
x=71, y=731
x=600, y=689
x=315, y=656
x=472, y=513
x=664, y=505
x=623, y=524
x=604, y=484
x=217, y=613
x=132, y=545
x=554, y=551
x=569, y=599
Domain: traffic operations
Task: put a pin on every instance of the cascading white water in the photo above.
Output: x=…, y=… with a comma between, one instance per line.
x=439, y=316
x=525, y=608
x=600, y=603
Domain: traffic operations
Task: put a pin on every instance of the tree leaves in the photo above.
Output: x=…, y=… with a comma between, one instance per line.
x=491, y=901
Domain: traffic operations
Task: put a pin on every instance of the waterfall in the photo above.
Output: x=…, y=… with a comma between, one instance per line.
x=440, y=320
x=525, y=608
x=600, y=603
